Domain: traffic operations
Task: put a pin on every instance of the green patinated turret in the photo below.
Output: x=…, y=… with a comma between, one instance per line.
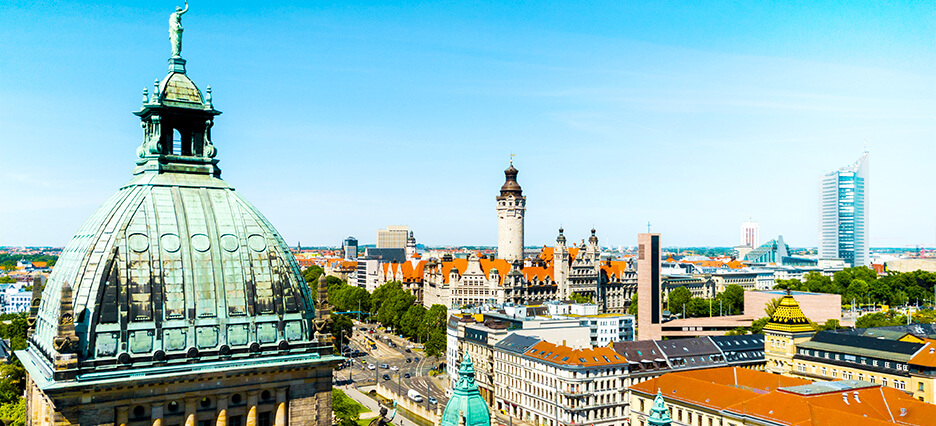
x=466, y=407
x=659, y=415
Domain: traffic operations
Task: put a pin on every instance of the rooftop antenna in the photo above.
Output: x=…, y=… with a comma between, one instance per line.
x=648, y=226
x=511, y=158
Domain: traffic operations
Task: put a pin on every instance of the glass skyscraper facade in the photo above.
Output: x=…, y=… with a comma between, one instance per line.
x=843, y=214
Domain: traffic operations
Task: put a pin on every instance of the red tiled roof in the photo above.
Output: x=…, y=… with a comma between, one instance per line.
x=564, y=355
x=755, y=394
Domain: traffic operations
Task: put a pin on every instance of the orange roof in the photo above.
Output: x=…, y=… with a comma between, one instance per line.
x=564, y=355
x=40, y=264
x=755, y=394
x=616, y=268
x=926, y=356
x=547, y=254
x=540, y=273
x=458, y=264
x=501, y=265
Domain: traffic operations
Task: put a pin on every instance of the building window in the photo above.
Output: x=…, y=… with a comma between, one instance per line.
x=884, y=381
x=920, y=386
x=824, y=371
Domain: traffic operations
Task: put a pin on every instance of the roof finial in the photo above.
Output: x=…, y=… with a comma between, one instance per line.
x=208, y=97
x=511, y=158
x=145, y=95
x=155, y=91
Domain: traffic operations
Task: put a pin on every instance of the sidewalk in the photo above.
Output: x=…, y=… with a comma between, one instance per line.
x=365, y=400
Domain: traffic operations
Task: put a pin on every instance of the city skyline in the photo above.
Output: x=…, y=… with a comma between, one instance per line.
x=618, y=115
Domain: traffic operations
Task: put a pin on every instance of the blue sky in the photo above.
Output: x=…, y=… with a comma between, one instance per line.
x=342, y=118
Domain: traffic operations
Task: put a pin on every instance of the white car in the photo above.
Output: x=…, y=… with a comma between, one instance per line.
x=394, y=368
x=410, y=346
x=371, y=367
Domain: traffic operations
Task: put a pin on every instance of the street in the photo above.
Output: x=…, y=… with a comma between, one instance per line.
x=358, y=373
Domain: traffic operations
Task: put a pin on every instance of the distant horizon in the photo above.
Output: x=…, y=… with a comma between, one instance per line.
x=340, y=119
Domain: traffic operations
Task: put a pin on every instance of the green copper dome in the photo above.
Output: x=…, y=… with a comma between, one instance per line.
x=176, y=267
x=466, y=400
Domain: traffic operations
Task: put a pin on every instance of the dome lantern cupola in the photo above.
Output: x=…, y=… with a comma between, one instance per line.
x=466, y=407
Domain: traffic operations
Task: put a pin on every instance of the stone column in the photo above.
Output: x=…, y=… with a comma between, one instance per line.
x=190, y=408
x=156, y=414
x=281, y=409
x=222, y=410
x=252, y=399
x=123, y=416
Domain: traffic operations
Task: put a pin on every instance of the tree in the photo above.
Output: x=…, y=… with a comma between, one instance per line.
x=757, y=327
x=311, y=274
x=732, y=299
x=341, y=326
x=435, y=328
x=581, y=298
x=737, y=331
x=677, y=299
x=412, y=320
x=771, y=307
x=632, y=308
x=7, y=280
x=346, y=410
x=14, y=413
x=11, y=383
x=830, y=324
x=880, y=319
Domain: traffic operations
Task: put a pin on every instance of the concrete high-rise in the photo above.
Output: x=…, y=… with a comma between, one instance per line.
x=511, y=207
x=843, y=214
x=750, y=234
x=392, y=237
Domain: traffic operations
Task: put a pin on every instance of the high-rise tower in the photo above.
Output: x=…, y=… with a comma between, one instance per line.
x=511, y=206
x=843, y=214
x=750, y=234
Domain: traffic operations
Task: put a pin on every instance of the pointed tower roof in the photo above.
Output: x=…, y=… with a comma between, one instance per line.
x=789, y=318
x=659, y=415
x=466, y=400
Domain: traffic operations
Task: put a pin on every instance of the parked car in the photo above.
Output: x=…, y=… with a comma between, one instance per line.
x=410, y=346
x=406, y=375
x=433, y=400
x=408, y=360
x=386, y=377
x=394, y=368
x=384, y=366
x=415, y=396
x=408, y=350
x=415, y=359
x=371, y=366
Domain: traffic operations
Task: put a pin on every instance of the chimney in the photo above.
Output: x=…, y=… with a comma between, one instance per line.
x=903, y=412
x=855, y=394
x=845, y=398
